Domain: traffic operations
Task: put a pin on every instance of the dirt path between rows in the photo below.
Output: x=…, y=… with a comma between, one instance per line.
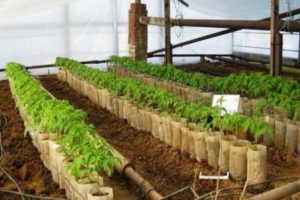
x=21, y=159
x=165, y=168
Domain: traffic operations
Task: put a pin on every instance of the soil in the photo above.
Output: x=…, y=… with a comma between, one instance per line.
x=225, y=69
x=21, y=159
x=163, y=167
x=166, y=169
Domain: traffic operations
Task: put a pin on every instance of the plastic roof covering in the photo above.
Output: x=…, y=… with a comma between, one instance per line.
x=250, y=41
x=35, y=32
x=247, y=9
x=16, y=8
x=239, y=9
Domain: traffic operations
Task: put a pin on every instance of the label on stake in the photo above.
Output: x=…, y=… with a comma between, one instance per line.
x=231, y=103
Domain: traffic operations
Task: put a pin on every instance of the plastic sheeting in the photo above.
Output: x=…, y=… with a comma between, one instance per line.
x=257, y=42
x=86, y=29
x=239, y=9
x=35, y=32
x=82, y=29
x=219, y=45
x=15, y=8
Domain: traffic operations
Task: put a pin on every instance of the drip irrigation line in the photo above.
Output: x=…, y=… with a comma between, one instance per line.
x=3, y=124
x=249, y=186
x=1, y=146
x=29, y=195
x=194, y=192
x=223, y=195
x=176, y=192
x=181, y=190
x=13, y=180
x=244, y=190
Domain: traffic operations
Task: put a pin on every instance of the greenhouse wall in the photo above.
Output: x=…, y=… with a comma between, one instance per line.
x=36, y=32
x=89, y=29
x=258, y=42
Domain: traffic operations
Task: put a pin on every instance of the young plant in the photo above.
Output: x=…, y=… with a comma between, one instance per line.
x=44, y=113
x=139, y=92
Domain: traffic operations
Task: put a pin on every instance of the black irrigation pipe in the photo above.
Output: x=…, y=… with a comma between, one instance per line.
x=193, y=55
x=53, y=65
x=105, y=61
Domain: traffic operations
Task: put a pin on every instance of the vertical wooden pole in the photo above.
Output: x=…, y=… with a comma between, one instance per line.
x=138, y=33
x=168, y=45
x=276, y=40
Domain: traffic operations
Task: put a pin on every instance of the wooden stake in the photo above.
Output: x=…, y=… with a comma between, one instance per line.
x=168, y=45
x=276, y=41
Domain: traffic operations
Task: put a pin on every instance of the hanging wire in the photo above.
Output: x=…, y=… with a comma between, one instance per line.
x=290, y=6
x=179, y=15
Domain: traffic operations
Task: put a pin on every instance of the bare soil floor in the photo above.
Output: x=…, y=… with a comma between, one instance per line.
x=165, y=168
x=21, y=159
x=219, y=69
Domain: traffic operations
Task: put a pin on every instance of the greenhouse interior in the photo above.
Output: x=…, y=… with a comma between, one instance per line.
x=142, y=99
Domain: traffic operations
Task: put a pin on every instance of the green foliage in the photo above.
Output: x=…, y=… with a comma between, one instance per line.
x=252, y=85
x=276, y=90
x=195, y=80
x=198, y=112
x=261, y=106
x=259, y=128
x=296, y=116
x=89, y=152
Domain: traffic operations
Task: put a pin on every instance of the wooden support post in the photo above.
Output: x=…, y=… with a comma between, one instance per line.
x=138, y=33
x=217, y=34
x=168, y=45
x=276, y=41
x=217, y=23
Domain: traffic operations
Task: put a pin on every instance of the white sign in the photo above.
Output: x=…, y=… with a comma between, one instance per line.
x=226, y=177
x=231, y=103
